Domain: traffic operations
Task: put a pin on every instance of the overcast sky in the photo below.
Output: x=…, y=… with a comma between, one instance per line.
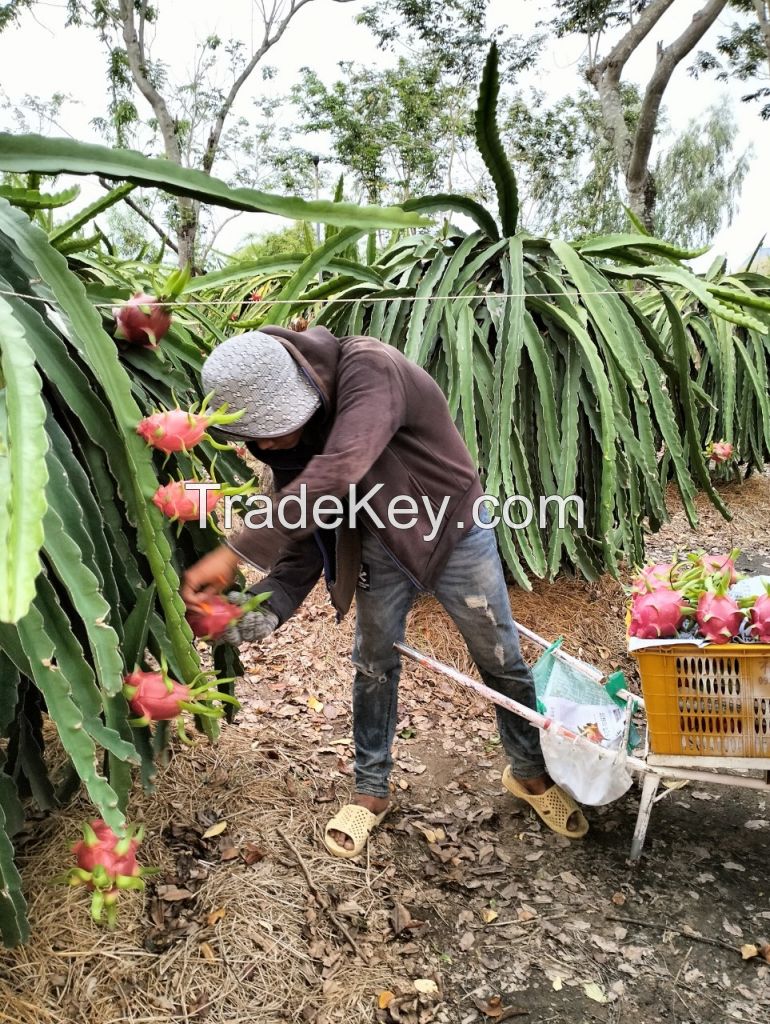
x=40, y=58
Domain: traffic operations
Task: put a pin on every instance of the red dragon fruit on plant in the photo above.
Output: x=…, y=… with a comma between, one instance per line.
x=179, y=502
x=179, y=430
x=720, y=451
x=657, y=614
x=156, y=697
x=142, y=320
x=106, y=863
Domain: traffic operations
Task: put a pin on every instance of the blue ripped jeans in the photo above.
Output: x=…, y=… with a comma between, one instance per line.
x=473, y=591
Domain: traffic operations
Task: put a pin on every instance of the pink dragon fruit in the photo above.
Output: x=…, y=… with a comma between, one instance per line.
x=215, y=614
x=177, y=430
x=714, y=564
x=654, y=577
x=177, y=502
x=213, y=617
x=719, y=617
x=154, y=697
x=142, y=320
x=760, y=618
x=105, y=864
x=720, y=451
x=657, y=614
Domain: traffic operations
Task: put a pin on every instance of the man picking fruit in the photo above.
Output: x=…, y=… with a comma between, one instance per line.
x=325, y=414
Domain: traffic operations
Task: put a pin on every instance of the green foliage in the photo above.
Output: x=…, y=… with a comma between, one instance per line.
x=742, y=52
x=55, y=156
x=390, y=129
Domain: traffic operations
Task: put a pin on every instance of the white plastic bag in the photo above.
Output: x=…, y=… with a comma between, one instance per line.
x=592, y=774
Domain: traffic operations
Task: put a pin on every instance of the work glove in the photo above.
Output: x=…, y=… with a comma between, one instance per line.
x=252, y=626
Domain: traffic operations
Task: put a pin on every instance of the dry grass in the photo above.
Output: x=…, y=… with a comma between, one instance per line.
x=253, y=964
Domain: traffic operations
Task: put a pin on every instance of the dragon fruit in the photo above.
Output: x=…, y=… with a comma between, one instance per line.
x=720, y=451
x=176, y=501
x=719, y=617
x=720, y=564
x=213, y=617
x=760, y=618
x=106, y=863
x=216, y=614
x=142, y=320
x=654, y=577
x=178, y=430
x=657, y=614
x=155, y=697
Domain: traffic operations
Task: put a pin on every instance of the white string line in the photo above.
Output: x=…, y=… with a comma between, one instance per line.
x=365, y=299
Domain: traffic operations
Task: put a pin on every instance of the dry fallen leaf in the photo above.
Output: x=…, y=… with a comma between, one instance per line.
x=251, y=853
x=215, y=915
x=618, y=899
x=207, y=952
x=426, y=986
x=315, y=704
x=733, y=929
x=492, y=1007
x=215, y=830
x=558, y=984
x=595, y=992
x=488, y=915
x=749, y=950
x=466, y=941
x=170, y=893
x=384, y=999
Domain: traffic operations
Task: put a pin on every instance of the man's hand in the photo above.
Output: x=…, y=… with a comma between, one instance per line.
x=252, y=626
x=210, y=575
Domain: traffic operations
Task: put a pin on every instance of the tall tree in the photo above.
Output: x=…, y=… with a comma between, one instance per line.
x=570, y=183
x=397, y=132
x=635, y=19
x=192, y=132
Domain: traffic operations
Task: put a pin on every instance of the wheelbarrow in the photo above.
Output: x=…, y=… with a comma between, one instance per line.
x=651, y=769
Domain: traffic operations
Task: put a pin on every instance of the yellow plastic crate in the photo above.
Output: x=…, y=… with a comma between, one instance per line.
x=707, y=701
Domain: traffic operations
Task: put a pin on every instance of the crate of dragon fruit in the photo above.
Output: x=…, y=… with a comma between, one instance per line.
x=701, y=635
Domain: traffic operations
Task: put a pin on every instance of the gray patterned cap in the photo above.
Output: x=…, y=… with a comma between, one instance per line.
x=253, y=371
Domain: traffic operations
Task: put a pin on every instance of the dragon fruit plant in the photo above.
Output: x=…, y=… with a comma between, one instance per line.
x=144, y=319
x=156, y=697
x=179, y=430
x=106, y=864
x=216, y=614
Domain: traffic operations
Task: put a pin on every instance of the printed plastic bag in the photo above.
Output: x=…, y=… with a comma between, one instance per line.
x=594, y=775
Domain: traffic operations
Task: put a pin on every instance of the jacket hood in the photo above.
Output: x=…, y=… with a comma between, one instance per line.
x=317, y=353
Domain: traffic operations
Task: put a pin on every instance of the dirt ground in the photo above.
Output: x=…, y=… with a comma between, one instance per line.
x=463, y=910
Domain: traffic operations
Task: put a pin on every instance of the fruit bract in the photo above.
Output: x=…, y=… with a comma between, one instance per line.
x=176, y=501
x=719, y=617
x=142, y=320
x=155, y=697
x=216, y=614
x=657, y=614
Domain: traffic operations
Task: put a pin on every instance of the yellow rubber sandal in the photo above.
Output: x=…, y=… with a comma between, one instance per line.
x=554, y=806
x=356, y=822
